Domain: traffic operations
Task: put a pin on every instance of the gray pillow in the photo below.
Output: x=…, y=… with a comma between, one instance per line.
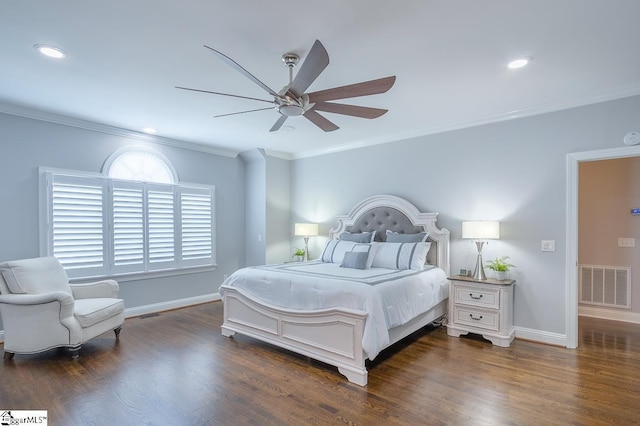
x=362, y=237
x=355, y=260
x=394, y=237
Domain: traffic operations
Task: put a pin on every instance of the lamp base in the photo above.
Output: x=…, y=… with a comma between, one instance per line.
x=478, y=272
x=306, y=249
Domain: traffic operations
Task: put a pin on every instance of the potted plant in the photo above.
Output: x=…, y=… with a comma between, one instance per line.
x=298, y=255
x=500, y=267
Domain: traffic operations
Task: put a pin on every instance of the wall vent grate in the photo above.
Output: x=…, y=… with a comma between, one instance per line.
x=605, y=286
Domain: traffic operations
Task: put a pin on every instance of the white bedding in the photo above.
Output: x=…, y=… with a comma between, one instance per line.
x=390, y=297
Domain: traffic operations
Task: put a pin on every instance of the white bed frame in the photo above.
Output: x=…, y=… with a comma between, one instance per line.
x=333, y=336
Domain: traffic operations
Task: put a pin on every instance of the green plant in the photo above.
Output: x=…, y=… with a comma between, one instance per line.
x=298, y=252
x=499, y=264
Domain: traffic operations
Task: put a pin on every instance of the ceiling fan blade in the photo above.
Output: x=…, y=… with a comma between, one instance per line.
x=352, y=110
x=278, y=123
x=316, y=61
x=239, y=68
x=225, y=94
x=371, y=87
x=242, y=112
x=320, y=121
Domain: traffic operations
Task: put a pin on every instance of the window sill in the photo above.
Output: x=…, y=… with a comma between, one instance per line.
x=138, y=276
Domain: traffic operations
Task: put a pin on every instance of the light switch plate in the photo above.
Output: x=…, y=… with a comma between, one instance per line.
x=548, y=245
x=626, y=242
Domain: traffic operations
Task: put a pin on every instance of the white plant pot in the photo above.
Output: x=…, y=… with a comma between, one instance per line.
x=501, y=275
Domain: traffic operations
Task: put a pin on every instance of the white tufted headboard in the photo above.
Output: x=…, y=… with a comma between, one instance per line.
x=388, y=212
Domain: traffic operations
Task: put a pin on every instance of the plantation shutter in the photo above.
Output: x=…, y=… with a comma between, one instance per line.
x=128, y=226
x=161, y=219
x=76, y=223
x=98, y=226
x=197, y=225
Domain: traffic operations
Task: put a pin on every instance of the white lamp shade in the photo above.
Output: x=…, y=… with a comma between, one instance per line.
x=306, y=229
x=481, y=230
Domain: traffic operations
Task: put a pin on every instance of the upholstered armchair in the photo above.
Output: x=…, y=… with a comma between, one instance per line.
x=41, y=310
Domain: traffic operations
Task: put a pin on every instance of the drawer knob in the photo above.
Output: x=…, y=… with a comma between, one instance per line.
x=475, y=318
x=475, y=297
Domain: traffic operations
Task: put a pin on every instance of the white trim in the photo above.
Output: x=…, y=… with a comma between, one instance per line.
x=609, y=314
x=540, y=336
x=169, y=305
x=571, y=262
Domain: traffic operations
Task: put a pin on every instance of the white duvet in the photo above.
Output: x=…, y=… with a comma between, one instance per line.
x=390, y=297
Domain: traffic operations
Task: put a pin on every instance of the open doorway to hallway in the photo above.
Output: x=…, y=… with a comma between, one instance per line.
x=603, y=230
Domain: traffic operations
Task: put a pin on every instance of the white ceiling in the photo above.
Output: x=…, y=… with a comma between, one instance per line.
x=125, y=57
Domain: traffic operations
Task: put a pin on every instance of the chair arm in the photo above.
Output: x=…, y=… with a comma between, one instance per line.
x=104, y=288
x=38, y=299
x=64, y=313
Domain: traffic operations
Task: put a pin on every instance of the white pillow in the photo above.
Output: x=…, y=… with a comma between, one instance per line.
x=335, y=249
x=401, y=255
x=394, y=237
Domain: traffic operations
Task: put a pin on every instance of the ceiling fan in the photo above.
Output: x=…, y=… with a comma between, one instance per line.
x=293, y=101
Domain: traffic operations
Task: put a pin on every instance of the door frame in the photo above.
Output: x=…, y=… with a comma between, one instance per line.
x=571, y=273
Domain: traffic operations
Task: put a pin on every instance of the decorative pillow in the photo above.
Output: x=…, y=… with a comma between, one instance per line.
x=401, y=255
x=394, y=237
x=355, y=260
x=335, y=249
x=362, y=237
x=370, y=249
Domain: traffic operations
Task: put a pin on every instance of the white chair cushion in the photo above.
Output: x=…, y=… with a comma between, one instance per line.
x=92, y=311
x=34, y=276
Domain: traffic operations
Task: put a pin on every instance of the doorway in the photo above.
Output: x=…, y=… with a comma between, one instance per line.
x=571, y=263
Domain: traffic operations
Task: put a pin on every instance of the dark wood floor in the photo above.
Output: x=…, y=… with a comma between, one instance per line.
x=176, y=369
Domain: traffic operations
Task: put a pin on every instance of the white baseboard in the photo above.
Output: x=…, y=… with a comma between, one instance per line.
x=171, y=304
x=609, y=314
x=540, y=336
x=162, y=306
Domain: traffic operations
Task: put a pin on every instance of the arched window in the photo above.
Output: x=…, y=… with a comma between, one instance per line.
x=141, y=164
x=135, y=217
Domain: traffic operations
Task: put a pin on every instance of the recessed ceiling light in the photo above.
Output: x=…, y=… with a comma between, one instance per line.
x=288, y=128
x=149, y=130
x=50, y=51
x=519, y=63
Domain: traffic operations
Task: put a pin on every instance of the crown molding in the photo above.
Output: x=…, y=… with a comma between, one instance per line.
x=35, y=114
x=579, y=101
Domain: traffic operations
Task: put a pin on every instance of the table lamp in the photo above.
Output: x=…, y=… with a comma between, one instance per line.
x=306, y=230
x=480, y=230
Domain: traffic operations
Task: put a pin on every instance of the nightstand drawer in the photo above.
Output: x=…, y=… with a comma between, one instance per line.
x=476, y=317
x=477, y=297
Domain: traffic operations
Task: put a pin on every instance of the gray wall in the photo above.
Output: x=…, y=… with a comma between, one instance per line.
x=513, y=171
x=27, y=144
x=255, y=196
x=268, y=224
x=278, y=214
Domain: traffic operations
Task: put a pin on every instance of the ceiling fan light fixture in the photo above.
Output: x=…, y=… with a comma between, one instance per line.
x=520, y=62
x=50, y=51
x=291, y=110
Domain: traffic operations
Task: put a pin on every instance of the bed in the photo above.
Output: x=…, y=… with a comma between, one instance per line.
x=339, y=314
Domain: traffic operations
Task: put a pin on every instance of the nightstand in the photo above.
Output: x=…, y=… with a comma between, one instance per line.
x=483, y=307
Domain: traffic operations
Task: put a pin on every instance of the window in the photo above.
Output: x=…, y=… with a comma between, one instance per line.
x=101, y=226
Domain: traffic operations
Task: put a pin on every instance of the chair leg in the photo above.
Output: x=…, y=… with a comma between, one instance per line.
x=74, y=352
x=8, y=355
x=117, y=331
